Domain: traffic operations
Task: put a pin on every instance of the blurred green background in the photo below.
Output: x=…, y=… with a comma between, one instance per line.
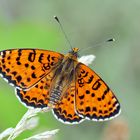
x=30, y=24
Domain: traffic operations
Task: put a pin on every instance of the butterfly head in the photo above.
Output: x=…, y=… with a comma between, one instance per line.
x=74, y=52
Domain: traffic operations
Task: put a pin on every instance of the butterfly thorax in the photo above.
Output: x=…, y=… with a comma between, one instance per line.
x=63, y=76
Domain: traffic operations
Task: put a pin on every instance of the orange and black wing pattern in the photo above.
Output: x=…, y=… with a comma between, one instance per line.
x=94, y=100
x=37, y=96
x=24, y=68
x=65, y=110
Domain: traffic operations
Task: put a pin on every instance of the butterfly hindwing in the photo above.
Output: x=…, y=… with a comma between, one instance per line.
x=23, y=68
x=39, y=95
x=94, y=99
x=65, y=110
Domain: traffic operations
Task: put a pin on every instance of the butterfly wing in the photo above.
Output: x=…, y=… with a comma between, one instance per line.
x=37, y=96
x=23, y=68
x=94, y=99
x=65, y=110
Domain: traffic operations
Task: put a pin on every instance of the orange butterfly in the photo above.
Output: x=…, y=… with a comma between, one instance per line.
x=45, y=79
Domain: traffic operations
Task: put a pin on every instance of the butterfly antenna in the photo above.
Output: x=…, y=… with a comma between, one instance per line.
x=110, y=40
x=62, y=29
x=99, y=44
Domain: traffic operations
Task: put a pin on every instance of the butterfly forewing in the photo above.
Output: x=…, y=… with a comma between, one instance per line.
x=23, y=68
x=94, y=99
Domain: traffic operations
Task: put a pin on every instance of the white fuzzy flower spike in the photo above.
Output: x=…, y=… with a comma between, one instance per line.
x=28, y=121
x=6, y=133
x=43, y=136
x=87, y=59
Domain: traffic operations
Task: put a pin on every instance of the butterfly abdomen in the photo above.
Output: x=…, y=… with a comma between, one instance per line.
x=55, y=95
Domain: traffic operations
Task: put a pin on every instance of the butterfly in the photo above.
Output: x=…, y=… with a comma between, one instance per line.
x=48, y=79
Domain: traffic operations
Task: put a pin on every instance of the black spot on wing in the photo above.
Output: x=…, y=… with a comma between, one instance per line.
x=40, y=57
x=96, y=85
x=32, y=56
x=19, y=78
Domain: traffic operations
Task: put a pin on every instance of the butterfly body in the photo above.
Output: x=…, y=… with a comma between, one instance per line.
x=47, y=79
x=63, y=76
